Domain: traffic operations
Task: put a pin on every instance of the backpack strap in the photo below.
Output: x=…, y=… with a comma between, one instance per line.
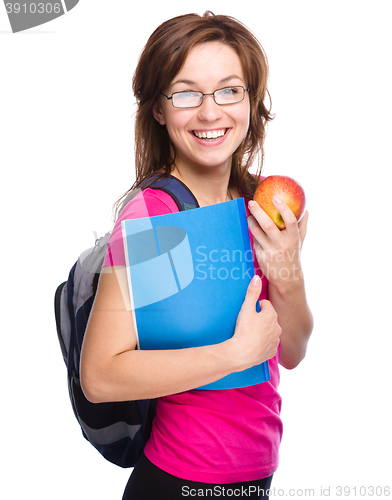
x=181, y=194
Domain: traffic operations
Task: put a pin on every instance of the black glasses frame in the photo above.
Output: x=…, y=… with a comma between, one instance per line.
x=203, y=95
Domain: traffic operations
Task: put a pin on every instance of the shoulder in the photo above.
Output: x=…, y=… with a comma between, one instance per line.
x=159, y=202
x=148, y=203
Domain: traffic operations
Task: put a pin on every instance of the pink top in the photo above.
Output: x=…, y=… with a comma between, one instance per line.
x=221, y=436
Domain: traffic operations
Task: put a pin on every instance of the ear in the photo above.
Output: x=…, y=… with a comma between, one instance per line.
x=158, y=113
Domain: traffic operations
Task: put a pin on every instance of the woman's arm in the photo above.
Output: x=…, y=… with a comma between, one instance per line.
x=278, y=254
x=113, y=370
x=295, y=319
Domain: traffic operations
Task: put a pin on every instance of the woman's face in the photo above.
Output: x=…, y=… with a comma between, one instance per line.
x=208, y=67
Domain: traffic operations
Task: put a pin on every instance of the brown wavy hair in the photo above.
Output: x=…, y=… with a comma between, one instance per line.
x=161, y=60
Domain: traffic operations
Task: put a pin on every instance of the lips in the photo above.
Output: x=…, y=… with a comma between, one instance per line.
x=209, y=135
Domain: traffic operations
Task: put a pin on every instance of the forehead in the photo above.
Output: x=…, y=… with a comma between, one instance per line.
x=212, y=61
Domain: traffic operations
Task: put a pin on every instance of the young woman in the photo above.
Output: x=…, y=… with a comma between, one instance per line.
x=201, y=86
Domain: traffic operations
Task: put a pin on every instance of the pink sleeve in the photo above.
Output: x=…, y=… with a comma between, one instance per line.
x=147, y=203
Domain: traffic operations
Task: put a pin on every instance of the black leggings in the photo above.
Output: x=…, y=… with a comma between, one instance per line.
x=148, y=482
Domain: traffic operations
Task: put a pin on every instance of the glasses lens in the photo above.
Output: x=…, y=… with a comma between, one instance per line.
x=229, y=95
x=187, y=99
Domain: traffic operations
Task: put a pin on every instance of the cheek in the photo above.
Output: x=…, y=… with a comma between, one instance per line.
x=176, y=124
x=247, y=123
x=176, y=134
x=247, y=116
x=243, y=120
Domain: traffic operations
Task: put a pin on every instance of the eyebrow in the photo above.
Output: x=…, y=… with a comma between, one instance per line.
x=224, y=80
x=231, y=77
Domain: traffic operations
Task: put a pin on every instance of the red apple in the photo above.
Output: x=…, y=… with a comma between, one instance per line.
x=285, y=188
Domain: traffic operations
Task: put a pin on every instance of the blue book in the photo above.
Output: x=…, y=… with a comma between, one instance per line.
x=188, y=273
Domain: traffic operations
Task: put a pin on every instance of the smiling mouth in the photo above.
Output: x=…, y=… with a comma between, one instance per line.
x=210, y=135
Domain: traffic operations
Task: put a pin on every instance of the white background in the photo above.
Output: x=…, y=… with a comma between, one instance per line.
x=66, y=154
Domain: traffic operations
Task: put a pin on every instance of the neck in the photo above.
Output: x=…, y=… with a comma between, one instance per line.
x=209, y=188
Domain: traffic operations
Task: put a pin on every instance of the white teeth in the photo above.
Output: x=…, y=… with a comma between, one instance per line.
x=211, y=134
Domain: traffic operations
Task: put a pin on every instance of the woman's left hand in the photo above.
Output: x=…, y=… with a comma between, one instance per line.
x=278, y=251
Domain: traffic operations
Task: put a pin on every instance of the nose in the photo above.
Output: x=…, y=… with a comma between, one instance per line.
x=209, y=110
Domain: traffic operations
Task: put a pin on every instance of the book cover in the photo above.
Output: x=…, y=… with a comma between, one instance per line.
x=188, y=273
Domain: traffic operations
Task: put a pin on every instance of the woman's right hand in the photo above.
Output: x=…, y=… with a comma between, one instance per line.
x=257, y=333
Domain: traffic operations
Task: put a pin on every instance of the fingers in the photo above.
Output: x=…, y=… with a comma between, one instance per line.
x=266, y=223
x=267, y=307
x=252, y=295
x=259, y=235
x=260, y=218
x=302, y=226
x=285, y=211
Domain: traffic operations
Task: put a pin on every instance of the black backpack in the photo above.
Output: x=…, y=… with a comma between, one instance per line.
x=118, y=430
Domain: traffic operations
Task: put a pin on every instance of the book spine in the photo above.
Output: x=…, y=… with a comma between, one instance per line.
x=245, y=238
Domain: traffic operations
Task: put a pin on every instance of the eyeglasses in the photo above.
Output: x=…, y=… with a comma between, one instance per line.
x=193, y=99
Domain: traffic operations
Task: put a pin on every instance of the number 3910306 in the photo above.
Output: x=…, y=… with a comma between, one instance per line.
x=363, y=491
x=33, y=8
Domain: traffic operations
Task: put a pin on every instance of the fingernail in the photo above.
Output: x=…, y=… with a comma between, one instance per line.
x=251, y=203
x=255, y=280
x=275, y=199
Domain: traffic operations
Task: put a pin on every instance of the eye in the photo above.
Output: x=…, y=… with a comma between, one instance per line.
x=229, y=95
x=187, y=94
x=230, y=91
